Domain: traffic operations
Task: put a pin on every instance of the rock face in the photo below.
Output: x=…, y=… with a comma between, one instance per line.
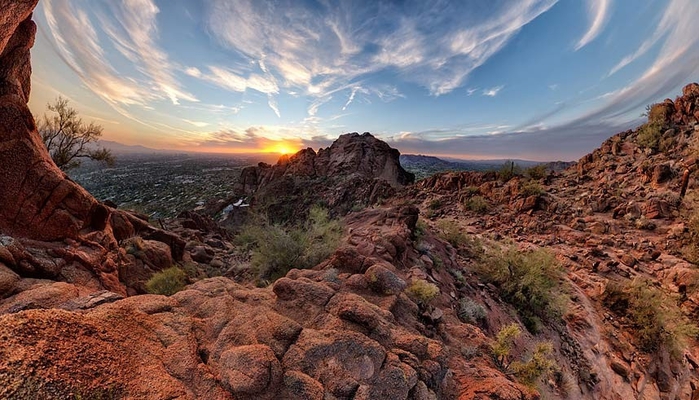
x=355, y=171
x=37, y=200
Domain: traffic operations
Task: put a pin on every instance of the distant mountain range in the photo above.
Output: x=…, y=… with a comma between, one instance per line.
x=419, y=164
x=120, y=148
x=423, y=166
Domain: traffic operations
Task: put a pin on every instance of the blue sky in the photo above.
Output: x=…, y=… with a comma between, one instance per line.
x=533, y=79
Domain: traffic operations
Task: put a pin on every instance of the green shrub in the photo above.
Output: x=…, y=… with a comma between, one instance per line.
x=477, y=204
x=435, y=204
x=531, y=189
x=167, y=282
x=649, y=135
x=691, y=249
x=530, y=281
x=422, y=291
x=471, y=312
x=657, y=320
x=449, y=231
x=541, y=363
x=133, y=245
x=420, y=229
x=322, y=236
x=277, y=249
x=508, y=171
x=503, y=345
x=536, y=172
x=472, y=190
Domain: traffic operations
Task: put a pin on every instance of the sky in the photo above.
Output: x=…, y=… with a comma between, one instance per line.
x=481, y=79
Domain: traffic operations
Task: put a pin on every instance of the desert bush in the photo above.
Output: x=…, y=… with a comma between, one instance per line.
x=649, y=135
x=420, y=229
x=644, y=223
x=277, y=249
x=529, y=280
x=466, y=244
x=536, y=172
x=322, y=236
x=540, y=363
x=472, y=190
x=133, y=245
x=655, y=317
x=503, y=345
x=422, y=291
x=68, y=139
x=508, y=171
x=690, y=251
x=167, y=282
x=531, y=189
x=471, y=312
x=477, y=204
x=435, y=204
x=449, y=231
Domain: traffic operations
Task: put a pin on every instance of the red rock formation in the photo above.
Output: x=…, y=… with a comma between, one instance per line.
x=37, y=200
x=350, y=155
x=355, y=171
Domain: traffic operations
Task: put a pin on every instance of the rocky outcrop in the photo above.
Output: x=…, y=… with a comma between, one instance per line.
x=351, y=155
x=37, y=201
x=50, y=227
x=339, y=331
x=355, y=171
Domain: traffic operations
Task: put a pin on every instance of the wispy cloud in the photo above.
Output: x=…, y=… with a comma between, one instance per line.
x=492, y=92
x=230, y=80
x=598, y=15
x=676, y=63
x=337, y=45
x=198, y=124
x=131, y=29
x=193, y=71
x=572, y=142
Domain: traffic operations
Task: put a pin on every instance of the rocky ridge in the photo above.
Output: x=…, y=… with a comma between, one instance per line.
x=620, y=213
x=354, y=172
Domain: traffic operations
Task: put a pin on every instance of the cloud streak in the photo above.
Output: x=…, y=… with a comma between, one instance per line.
x=336, y=46
x=131, y=27
x=598, y=15
x=492, y=92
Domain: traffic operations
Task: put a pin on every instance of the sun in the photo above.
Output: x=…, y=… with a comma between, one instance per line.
x=282, y=148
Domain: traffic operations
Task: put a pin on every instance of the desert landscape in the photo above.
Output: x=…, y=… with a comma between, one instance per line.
x=349, y=271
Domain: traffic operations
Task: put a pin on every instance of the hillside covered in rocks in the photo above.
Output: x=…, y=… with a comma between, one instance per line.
x=573, y=285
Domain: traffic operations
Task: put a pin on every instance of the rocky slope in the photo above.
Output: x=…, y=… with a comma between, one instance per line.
x=619, y=214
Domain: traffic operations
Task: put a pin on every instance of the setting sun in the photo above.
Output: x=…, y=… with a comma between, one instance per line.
x=282, y=148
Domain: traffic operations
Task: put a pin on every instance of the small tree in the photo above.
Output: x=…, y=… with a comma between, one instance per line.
x=68, y=138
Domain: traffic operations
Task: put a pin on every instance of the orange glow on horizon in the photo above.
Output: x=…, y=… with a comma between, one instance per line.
x=281, y=147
